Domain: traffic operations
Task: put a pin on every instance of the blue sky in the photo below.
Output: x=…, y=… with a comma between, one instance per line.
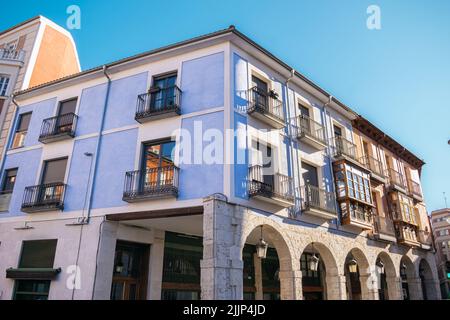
x=397, y=77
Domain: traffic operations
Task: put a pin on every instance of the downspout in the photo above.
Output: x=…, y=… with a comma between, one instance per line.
x=98, y=145
x=288, y=131
x=9, y=136
x=330, y=163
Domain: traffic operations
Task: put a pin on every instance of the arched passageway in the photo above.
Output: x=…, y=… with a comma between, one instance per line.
x=357, y=276
x=388, y=287
x=319, y=273
x=429, y=291
x=267, y=265
x=409, y=280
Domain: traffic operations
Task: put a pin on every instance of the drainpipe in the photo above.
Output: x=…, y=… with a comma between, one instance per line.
x=288, y=131
x=97, y=147
x=9, y=136
x=330, y=164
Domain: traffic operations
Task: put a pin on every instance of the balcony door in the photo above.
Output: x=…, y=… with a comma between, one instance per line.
x=260, y=89
x=309, y=174
x=164, y=92
x=65, y=119
x=52, y=179
x=158, y=165
x=265, y=160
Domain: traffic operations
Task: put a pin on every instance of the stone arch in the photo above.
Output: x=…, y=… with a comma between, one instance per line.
x=427, y=280
x=390, y=277
x=275, y=239
x=331, y=279
x=410, y=281
x=365, y=279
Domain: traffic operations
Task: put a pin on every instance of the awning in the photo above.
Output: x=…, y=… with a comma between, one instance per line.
x=32, y=273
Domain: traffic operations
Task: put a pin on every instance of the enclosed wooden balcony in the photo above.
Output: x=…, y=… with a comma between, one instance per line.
x=383, y=229
x=58, y=128
x=407, y=235
x=397, y=181
x=44, y=197
x=275, y=188
x=158, y=103
x=266, y=107
x=318, y=202
x=310, y=132
x=425, y=239
x=356, y=215
x=414, y=190
x=151, y=183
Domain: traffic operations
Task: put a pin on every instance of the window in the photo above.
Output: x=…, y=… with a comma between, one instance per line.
x=4, y=81
x=64, y=123
x=158, y=164
x=21, y=131
x=9, y=180
x=304, y=111
x=309, y=175
x=165, y=94
x=35, y=254
x=54, y=171
x=337, y=131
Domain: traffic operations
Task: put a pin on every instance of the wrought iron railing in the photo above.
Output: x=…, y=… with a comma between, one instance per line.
x=306, y=126
x=383, y=225
x=44, y=196
x=414, y=188
x=360, y=214
x=274, y=185
x=152, y=182
x=344, y=147
x=158, y=101
x=316, y=198
x=396, y=178
x=8, y=54
x=60, y=125
x=265, y=103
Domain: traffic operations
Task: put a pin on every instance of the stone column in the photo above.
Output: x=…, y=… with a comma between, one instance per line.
x=415, y=289
x=395, y=291
x=221, y=266
x=259, y=294
x=369, y=287
x=291, y=285
x=336, y=287
x=433, y=289
x=156, y=266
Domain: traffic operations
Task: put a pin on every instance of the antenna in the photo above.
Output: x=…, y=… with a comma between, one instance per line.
x=445, y=199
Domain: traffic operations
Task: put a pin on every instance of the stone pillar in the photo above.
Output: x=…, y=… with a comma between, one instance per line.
x=433, y=289
x=336, y=287
x=221, y=266
x=291, y=285
x=415, y=289
x=395, y=291
x=156, y=266
x=259, y=294
x=369, y=287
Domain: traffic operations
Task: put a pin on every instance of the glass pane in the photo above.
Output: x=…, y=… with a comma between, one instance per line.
x=32, y=289
x=67, y=107
x=117, y=291
x=24, y=121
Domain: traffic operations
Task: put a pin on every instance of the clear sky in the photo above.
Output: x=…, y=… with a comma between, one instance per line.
x=397, y=77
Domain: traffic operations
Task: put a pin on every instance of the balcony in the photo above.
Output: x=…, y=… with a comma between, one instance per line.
x=357, y=216
x=377, y=172
x=275, y=188
x=152, y=183
x=425, y=239
x=344, y=149
x=383, y=229
x=403, y=217
x=318, y=202
x=58, y=128
x=407, y=235
x=266, y=107
x=414, y=190
x=158, y=103
x=44, y=197
x=309, y=132
x=397, y=181
x=12, y=55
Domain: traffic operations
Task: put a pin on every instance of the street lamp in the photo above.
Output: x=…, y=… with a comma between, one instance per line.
x=380, y=267
x=261, y=247
x=353, y=266
x=314, y=261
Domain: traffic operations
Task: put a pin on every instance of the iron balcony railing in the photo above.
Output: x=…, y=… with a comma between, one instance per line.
x=151, y=183
x=158, y=101
x=44, y=197
x=270, y=186
x=375, y=165
x=265, y=103
x=414, y=188
x=383, y=225
x=15, y=55
x=305, y=126
x=57, y=126
x=359, y=214
x=396, y=178
x=316, y=198
x=344, y=147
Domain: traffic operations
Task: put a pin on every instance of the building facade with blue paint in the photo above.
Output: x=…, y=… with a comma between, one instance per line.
x=206, y=169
